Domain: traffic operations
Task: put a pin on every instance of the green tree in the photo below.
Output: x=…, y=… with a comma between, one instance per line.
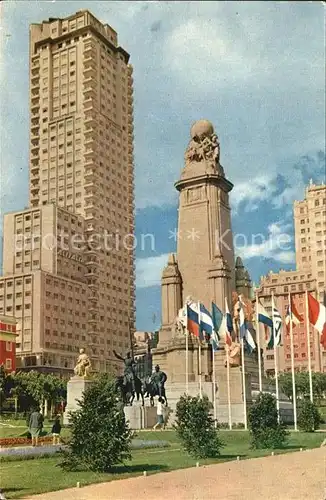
x=265, y=431
x=100, y=436
x=303, y=386
x=309, y=418
x=195, y=427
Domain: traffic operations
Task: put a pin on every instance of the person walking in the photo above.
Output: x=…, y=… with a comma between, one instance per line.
x=56, y=429
x=35, y=425
x=160, y=414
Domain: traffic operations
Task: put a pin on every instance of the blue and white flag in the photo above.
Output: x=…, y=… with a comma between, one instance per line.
x=264, y=317
x=207, y=326
x=277, y=325
x=244, y=332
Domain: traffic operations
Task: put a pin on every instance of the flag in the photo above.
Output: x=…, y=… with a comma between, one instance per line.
x=193, y=320
x=277, y=325
x=317, y=317
x=244, y=332
x=226, y=326
x=264, y=317
x=207, y=326
x=223, y=331
x=229, y=322
x=217, y=316
x=292, y=315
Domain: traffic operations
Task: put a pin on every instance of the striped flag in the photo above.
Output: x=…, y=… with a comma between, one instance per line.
x=207, y=326
x=244, y=332
x=317, y=317
x=292, y=315
x=277, y=325
x=193, y=320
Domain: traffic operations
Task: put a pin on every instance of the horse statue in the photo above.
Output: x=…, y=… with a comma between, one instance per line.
x=155, y=386
x=128, y=392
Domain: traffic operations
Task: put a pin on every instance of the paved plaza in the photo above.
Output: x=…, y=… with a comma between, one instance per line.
x=292, y=476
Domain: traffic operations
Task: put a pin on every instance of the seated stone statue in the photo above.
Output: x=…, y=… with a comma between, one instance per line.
x=234, y=354
x=83, y=366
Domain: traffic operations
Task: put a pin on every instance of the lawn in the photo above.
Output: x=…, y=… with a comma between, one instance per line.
x=44, y=474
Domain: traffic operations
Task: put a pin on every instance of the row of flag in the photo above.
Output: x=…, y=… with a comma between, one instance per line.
x=213, y=326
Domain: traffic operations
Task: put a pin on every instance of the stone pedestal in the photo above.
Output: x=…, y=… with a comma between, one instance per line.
x=140, y=417
x=75, y=389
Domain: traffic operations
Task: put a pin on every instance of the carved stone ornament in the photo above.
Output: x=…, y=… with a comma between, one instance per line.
x=204, y=144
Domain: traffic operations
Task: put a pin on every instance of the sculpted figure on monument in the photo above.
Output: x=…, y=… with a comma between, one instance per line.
x=204, y=143
x=129, y=371
x=158, y=380
x=83, y=366
x=234, y=354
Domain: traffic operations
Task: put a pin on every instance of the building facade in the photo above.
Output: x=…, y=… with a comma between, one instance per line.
x=310, y=235
x=310, y=275
x=72, y=252
x=8, y=343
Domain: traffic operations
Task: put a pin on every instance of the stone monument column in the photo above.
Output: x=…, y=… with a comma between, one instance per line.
x=205, y=245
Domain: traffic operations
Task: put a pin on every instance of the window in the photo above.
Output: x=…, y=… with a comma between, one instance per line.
x=8, y=346
x=8, y=364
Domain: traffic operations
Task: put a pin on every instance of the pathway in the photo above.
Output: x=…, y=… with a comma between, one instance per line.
x=292, y=476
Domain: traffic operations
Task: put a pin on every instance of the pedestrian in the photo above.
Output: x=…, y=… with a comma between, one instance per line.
x=160, y=414
x=56, y=429
x=35, y=425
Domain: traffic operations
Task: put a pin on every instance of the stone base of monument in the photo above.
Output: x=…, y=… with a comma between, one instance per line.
x=75, y=389
x=140, y=417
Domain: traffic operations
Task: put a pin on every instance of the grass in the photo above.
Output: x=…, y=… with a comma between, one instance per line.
x=44, y=474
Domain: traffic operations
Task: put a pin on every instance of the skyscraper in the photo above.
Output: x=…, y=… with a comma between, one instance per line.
x=310, y=275
x=76, y=240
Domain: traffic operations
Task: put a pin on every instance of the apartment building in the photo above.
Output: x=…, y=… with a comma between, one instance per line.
x=75, y=240
x=310, y=275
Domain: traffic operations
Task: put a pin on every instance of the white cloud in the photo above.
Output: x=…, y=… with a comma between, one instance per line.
x=277, y=245
x=253, y=192
x=149, y=270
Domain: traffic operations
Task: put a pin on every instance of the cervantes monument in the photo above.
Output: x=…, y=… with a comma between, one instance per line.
x=204, y=269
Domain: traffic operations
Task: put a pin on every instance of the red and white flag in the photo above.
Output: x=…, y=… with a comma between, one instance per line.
x=292, y=315
x=317, y=317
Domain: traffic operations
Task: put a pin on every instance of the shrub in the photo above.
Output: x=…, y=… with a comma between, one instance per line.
x=100, y=437
x=265, y=431
x=309, y=418
x=195, y=427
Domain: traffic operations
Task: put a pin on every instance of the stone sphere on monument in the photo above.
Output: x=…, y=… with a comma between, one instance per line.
x=201, y=128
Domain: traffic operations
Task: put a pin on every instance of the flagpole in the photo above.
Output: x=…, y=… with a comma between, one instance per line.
x=214, y=388
x=228, y=384
x=308, y=346
x=244, y=386
x=187, y=360
x=199, y=369
x=275, y=364
x=199, y=353
x=294, y=396
x=258, y=347
x=187, y=349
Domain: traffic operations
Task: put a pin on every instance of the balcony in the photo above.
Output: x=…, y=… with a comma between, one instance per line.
x=89, y=91
x=35, y=83
x=92, y=320
x=35, y=189
x=35, y=176
x=93, y=285
x=89, y=71
x=34, y=169
x=90, y=120
x=92, y=262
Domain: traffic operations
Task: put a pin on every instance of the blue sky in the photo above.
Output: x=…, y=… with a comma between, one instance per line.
x=255, y=69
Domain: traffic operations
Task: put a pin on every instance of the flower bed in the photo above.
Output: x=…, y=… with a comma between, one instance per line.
x=22, y=441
